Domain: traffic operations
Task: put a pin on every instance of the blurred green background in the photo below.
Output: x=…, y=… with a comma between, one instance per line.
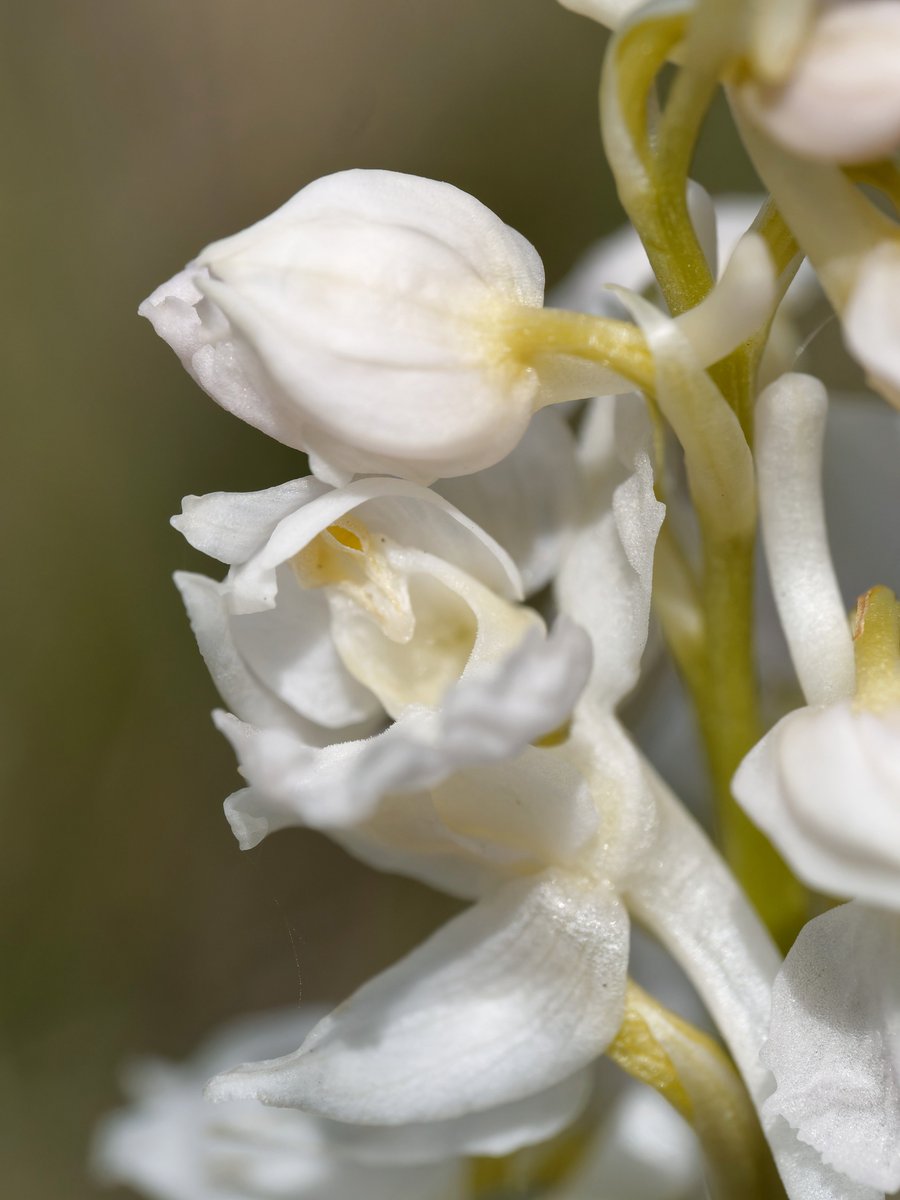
x=134, y=132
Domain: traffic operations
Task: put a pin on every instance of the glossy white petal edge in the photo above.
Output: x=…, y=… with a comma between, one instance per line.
x=834, y=1042
x=824, y=784
x=517, y=993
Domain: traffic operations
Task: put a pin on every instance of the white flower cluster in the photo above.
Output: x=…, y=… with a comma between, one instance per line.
x=423, y=646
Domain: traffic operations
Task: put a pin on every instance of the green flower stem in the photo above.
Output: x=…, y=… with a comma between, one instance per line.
x=730, y=725
x=714, y=651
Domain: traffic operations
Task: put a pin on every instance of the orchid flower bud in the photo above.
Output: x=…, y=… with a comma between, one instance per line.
x=840, y=99
x=363, y=322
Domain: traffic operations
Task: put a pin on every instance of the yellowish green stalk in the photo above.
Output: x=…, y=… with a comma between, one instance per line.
x=691, y=1071
x=619, y=346
x=719, y=672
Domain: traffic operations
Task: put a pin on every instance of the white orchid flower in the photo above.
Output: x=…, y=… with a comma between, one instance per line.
x=524, y=989
x=556, y=843
x=824, y=784
x=344, y=608
x=170, y=1144
x=367, y=321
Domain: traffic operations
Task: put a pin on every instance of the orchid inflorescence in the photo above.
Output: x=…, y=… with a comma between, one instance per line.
x=424, y=645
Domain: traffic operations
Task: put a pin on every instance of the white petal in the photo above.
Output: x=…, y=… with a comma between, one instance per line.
x=272, y=670
x=481, y=825
x=824, y=785
x=834, y=1043
x=737, y=307
x=538, y=805
x=241, y=690
x=623, y=795
x=290, y=649
x=717, y=458
x=232, y=526
x=486, y=718
x=509, y=998
x=606, y=579
x=790, y=432
x=209, y=350
x=529, y=502
x=841, y=100
x=410, y=515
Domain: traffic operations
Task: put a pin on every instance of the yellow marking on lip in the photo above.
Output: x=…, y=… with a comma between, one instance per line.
x=334, y=555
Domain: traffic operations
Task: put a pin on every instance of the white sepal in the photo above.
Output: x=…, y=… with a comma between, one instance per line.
x=514, y=995
x=834, y=1043
x=718, y=461
x=606, y=578
x=279, y=668
x=791, y=417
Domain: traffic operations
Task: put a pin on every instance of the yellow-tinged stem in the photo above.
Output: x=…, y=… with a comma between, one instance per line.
x=691, y=1071
x=730, y=725
x=619, y=346
x=781, y=242
x=720, y=672
x=533, y=1170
